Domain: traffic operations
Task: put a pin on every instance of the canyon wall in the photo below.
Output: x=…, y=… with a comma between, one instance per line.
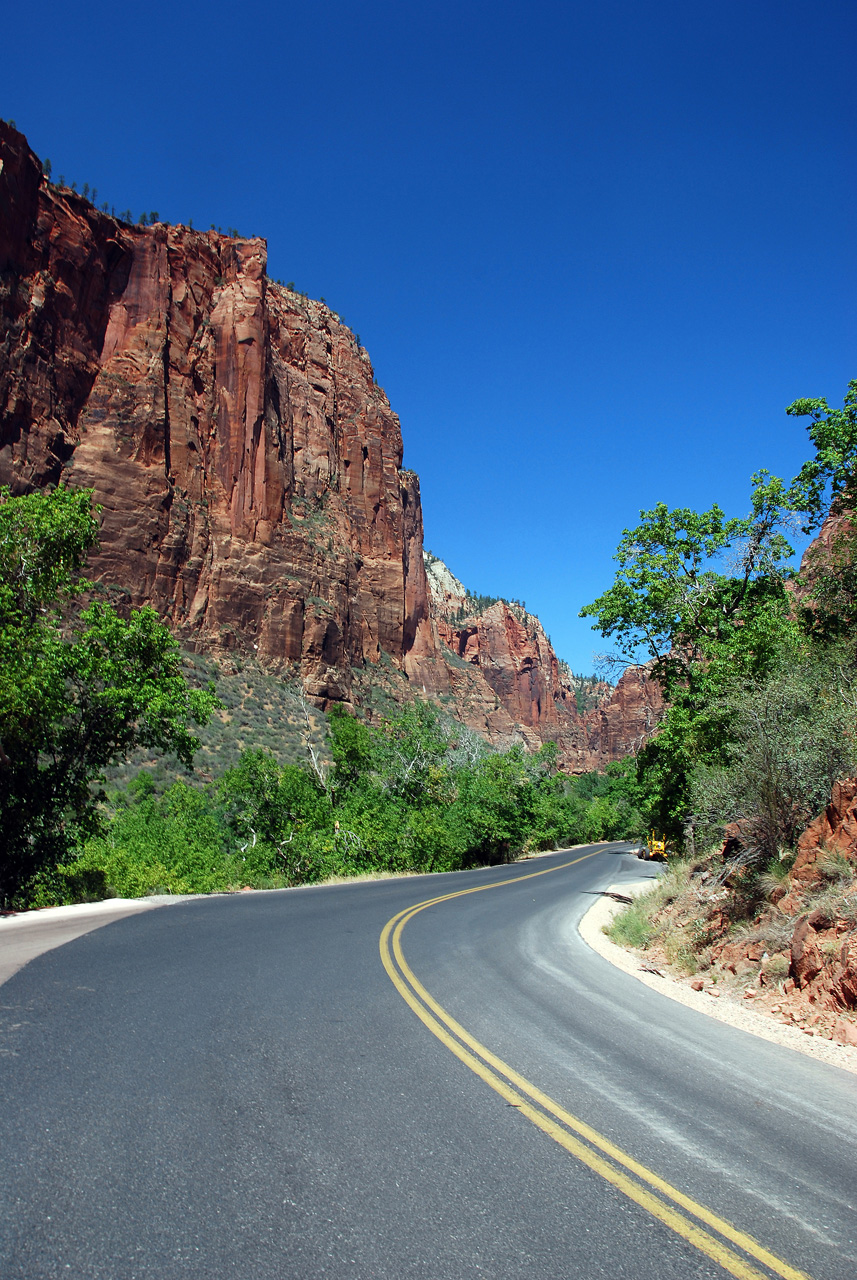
x=247, y=465
x=248, y=468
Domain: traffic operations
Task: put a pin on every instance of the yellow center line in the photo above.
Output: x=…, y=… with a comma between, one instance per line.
x=554, y=1120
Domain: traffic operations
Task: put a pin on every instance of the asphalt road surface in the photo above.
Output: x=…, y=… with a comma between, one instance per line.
x=321, y=1083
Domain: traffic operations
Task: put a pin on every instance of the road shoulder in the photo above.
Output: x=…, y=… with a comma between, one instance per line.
x=25, y=935
x=722, y=1008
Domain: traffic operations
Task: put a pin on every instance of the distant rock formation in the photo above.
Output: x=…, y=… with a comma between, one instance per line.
x=249, y=470
x=502, y=668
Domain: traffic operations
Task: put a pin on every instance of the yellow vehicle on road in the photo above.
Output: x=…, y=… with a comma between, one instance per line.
x=655, y=850
x=658, y=848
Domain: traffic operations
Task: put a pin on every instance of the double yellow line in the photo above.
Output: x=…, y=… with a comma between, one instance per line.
x=679, y=1212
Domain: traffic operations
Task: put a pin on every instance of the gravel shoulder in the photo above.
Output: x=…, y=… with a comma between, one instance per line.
x=724, y=1007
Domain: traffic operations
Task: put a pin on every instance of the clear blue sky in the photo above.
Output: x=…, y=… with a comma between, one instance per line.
x=593, y=250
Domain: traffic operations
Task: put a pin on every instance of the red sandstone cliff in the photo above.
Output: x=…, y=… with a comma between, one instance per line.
x=248, y=467
x=623, y=723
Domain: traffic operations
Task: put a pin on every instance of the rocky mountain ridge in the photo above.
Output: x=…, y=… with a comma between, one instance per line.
x=249, y=471
x=497, y=647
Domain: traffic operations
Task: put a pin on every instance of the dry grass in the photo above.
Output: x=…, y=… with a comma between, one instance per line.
x=641, y=924
x=775, y=934
x=362, y=876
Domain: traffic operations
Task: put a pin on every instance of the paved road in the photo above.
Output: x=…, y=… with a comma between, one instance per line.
x=235, y=1087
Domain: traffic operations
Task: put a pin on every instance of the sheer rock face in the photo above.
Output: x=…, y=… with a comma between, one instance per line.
x=625, y=722
x=248, y=468
x=515, y=658
x=505, y=677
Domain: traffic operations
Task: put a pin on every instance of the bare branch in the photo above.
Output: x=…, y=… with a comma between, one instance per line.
x=320, y=767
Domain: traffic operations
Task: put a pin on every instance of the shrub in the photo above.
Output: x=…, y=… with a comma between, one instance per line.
x=632, y=927
x=791, y=738
x=173, y=843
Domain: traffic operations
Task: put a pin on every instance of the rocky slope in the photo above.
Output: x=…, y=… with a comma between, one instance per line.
x=249, y=469
x=794, y=955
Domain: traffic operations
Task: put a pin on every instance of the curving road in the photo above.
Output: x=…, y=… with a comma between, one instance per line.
x=322, y=1083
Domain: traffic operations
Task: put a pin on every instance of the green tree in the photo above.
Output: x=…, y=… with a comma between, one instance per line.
x=354, y=747
x=79, y=687
x=272, y=802
x=414, y=748
x=707, y=600
x=498, y=799
x=696, y=589
x=174, y=843
x=831, y=476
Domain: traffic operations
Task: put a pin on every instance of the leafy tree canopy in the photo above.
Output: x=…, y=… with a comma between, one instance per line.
x=675, y=600
x=831, y=476
x=708, y=600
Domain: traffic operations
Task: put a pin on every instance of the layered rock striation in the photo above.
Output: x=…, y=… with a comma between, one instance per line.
x=248, y=467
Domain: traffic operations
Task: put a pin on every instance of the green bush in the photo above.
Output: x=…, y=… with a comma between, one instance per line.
x=632, y=927
x=418, y=794
x=168, y=844
x=791, y=736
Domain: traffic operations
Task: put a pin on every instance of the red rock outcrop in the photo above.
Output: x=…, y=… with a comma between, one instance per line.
x=516, y=660
x=816, y=906
x=823, y=952
x=826, y=545
x=833, y=831
x=249, y=468
x=827, y=981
